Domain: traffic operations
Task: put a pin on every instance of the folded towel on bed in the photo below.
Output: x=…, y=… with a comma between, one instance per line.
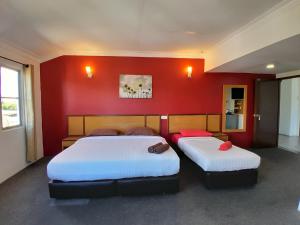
x=160, y=148
x=152, y=147
x=225, y=146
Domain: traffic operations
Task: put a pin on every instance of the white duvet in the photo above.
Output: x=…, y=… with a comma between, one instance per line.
x=112, y=157
x=204, y=152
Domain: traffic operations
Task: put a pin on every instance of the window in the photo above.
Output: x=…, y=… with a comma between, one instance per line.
x=10, y=97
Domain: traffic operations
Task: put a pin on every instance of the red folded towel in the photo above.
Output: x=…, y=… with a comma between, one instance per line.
x=225, y=146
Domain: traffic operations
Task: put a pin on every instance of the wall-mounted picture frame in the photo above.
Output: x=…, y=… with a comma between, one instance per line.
x=135, y=86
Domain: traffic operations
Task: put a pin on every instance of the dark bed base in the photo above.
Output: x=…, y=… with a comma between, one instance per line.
x=106, y=188
x=225, y=179
x=229, y=179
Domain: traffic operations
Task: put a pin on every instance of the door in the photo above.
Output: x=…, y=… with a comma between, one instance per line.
x=266, y=113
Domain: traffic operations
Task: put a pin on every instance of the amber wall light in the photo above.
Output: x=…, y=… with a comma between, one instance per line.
x=189, y=71
x=88, y=70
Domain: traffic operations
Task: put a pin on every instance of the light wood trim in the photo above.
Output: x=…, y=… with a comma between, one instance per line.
x=178, y=122
x=226, y=86
x=75, y=125
x=72, y=138
x=66, y=144
x=214, y=123
x=68, y=141
x=153, y=122
x=120, y=123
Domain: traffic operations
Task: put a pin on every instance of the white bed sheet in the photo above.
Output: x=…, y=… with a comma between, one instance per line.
x=112, y=157
x=204, y=152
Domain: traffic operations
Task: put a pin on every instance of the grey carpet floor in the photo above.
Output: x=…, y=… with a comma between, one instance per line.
x=24, y=200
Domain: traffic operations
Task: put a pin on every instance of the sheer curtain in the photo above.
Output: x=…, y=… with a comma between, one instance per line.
x=29, y=118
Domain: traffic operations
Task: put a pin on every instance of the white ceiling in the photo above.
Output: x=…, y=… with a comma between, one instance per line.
x=285, y=55
x=166, y=27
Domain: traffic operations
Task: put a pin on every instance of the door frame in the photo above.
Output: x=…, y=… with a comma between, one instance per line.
x=280, y=80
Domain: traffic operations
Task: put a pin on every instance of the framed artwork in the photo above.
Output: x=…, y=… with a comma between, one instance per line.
x=135, y=86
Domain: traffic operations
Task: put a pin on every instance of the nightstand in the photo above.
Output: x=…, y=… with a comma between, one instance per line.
x=221, y=136
x=68, y=141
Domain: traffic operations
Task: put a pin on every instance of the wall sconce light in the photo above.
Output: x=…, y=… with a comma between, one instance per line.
x=88, y=70
x=189, y=71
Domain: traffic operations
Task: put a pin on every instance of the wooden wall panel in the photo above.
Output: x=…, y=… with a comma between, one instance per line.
x=75, y=125
x=214, y=123
x=120, y=123
x=153, y=122
x=178, y=122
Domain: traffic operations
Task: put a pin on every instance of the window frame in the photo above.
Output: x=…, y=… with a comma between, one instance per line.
x=17, y=68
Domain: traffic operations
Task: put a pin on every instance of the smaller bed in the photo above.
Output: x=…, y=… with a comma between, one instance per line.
x=220, y=169
x=234, y=168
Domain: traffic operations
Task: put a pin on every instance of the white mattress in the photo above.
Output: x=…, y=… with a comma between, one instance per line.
x=204, y=152
x=112, y=157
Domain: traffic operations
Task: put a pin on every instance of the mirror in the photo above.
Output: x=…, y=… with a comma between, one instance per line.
x=234, y=108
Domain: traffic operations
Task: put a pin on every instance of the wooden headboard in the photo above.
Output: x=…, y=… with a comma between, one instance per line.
x=83, y=124
x=209, y=122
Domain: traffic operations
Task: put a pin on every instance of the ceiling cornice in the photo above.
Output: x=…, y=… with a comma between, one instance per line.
x=12, y=49
x=288, y=74
x=277, y=24
x=252, y=22
x=155, y=54
x=27, y=54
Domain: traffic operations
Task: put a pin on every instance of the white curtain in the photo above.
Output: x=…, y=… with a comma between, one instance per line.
x=29, y=117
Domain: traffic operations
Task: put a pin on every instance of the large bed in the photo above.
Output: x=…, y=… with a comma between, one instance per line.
x=113, y=165
x=219, y=169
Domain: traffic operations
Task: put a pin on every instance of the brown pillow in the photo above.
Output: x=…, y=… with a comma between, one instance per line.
x=146, y=131
x=104, y=132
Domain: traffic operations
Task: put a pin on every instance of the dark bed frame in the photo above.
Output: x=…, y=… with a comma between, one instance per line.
x=229, y=179
x=106, y=188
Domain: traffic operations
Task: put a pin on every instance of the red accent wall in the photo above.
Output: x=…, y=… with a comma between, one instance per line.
x=66, y=90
